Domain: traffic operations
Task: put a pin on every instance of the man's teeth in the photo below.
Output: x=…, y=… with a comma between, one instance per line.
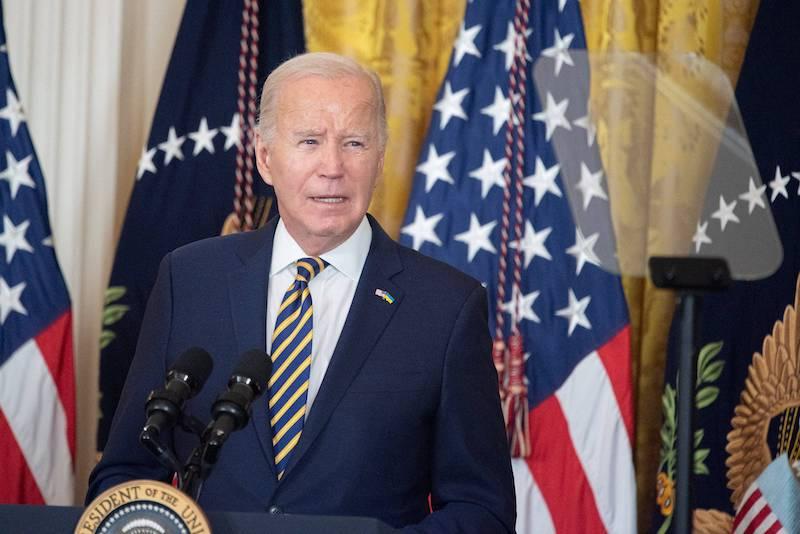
x=329, y=200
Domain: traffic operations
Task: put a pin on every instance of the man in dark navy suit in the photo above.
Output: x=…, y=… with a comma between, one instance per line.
x=383, y=398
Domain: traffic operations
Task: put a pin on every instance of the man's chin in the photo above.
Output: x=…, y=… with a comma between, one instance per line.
x=340, y=233
x=327, y=237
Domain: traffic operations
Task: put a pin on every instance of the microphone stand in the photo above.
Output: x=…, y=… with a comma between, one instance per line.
x=150, y=439
x=200, y=463
x=230, y=413
x=194, y=474
x=188, y=473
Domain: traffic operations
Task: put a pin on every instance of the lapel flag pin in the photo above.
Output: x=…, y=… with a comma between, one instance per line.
x=385, y=295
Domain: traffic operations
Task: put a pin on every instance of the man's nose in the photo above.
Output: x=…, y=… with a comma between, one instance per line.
x=332, y=162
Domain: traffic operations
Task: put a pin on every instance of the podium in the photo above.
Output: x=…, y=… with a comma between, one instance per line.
x=62, y=519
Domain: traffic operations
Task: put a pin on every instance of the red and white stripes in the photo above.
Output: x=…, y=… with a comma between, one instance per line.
x=755, y=515
x=579, y=476
x=37, y=419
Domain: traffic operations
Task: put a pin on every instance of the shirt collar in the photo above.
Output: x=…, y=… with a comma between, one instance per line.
x=348, y=258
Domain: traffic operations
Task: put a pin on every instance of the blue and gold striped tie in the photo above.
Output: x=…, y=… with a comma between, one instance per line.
x=291, y=363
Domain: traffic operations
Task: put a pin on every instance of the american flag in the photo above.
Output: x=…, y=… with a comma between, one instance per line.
x=37, y=390
x=577, y=475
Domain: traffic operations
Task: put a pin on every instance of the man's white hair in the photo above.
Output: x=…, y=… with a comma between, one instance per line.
x=324, y=65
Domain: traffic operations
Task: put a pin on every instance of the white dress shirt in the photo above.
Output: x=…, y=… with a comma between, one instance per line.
x=332, y=293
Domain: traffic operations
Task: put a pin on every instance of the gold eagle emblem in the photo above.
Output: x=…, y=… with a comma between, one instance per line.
x=766, y=417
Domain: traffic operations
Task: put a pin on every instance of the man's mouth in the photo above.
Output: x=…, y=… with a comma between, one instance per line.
x=328, y=200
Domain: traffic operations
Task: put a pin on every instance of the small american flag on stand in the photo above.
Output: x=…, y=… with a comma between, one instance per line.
x=37, y=384
x=488, y=198
x=772, y=503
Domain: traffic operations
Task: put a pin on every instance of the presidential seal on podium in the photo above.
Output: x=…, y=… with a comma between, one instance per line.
x=143, y=507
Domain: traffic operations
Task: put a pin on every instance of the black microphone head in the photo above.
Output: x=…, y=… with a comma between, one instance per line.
x=231, y=410
x=195, y=364
x=255, y=366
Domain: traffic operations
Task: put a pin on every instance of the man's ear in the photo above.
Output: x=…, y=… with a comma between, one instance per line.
x=263, y=159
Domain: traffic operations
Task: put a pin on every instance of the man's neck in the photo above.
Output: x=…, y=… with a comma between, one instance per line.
x=347, y=256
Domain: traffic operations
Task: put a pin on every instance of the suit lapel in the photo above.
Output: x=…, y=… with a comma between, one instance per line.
x=368, y=317
x=248, y=300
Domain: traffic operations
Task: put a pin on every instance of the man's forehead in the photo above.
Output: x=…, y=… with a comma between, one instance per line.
x=309, y=85
x=322, y=96
x=308, y=104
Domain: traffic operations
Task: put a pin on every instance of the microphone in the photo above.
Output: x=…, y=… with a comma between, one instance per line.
x=164, y=405
x=231, y=410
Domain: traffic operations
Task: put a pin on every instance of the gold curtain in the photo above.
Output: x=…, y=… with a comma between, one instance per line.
x=408, y=43
x=717, y=32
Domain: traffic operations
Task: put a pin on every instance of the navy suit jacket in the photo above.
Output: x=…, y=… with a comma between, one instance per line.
x=408, y=407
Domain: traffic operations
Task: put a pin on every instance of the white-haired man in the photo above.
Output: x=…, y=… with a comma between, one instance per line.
x=383, y=399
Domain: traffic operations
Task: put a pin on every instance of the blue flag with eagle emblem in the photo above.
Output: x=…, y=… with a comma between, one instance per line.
x=195, y=166
x=748, y=404
x=541, y=273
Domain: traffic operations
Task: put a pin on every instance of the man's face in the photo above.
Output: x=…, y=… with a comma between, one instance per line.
x=324, y=159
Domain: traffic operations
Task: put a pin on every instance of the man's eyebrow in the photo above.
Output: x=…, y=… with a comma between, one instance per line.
x=307, y=133
x=359, y=135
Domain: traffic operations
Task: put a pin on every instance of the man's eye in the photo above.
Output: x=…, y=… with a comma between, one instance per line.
x=308, y=142
x=355, y=143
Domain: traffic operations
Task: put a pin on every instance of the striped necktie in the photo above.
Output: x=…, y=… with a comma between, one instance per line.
x=291, y=363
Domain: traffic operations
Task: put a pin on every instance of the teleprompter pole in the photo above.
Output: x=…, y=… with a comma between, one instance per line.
x=690, y=277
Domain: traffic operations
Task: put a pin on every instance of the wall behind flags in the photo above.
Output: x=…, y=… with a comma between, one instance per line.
x=88, y=73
